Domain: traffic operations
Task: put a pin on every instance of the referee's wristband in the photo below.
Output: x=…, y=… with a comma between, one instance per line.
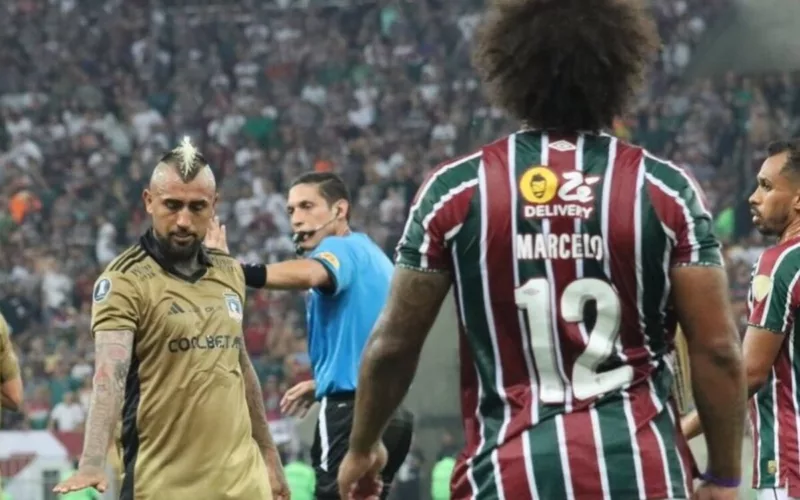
x=255, y=275
x=719, y=481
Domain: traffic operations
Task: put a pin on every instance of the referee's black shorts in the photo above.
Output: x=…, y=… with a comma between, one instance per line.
x=332, y=436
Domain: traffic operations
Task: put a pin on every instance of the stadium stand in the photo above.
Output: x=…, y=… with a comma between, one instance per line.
x=91, y=92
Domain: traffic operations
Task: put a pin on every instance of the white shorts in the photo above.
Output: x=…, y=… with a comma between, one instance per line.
x=773, y=494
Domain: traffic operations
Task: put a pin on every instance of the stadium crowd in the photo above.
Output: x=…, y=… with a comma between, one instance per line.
x=92, y=92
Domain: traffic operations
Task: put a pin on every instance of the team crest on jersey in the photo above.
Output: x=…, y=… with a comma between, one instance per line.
x=234, y=306
x=570, y=194
x=762, y=285
x=101, y=290
x=772, y=467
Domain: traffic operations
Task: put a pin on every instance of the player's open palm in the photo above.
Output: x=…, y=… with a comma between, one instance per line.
x=710, y=492
x=84, y=478
x=298, y=399
x=216, y=236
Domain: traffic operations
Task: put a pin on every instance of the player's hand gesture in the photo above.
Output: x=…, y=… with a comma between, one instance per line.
x=88, y=477
x=298, y=399
x=360, y=474
x=216, y=236
x=708, y=491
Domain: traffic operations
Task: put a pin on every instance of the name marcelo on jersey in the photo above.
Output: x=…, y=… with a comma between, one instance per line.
x=559, y=246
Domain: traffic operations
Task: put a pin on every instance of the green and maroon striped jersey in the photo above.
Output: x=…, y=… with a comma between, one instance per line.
x=560, y=248
x=774, y=301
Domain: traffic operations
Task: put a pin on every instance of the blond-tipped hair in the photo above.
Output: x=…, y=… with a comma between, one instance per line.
x=186, y=158
x=188, y=153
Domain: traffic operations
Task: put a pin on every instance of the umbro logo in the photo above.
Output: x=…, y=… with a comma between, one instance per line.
x=563, y=146
x=175, y=309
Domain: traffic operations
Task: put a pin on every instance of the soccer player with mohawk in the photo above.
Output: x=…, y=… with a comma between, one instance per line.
x=171, y=361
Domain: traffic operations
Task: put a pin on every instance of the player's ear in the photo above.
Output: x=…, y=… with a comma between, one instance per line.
x=342, y=209
x=147, y=197
x=214, y=205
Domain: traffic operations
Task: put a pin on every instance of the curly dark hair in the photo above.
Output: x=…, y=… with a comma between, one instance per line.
x=564, y=65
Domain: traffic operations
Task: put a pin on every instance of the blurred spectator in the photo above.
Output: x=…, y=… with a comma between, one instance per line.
x=67, y=415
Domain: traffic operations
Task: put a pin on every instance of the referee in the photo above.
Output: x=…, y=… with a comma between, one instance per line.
x=347, y=277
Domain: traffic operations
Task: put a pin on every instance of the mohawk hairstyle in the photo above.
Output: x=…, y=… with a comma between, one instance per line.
x=564, y=65
x=186, y=158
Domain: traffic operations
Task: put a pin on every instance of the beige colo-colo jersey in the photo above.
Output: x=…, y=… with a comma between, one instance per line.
x=186, y=431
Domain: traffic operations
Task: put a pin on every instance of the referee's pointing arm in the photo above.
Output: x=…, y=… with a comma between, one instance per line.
x=348, y=278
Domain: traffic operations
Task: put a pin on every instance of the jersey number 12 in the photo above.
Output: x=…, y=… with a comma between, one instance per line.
x=534, y=297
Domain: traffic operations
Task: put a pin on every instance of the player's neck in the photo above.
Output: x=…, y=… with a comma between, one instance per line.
x=792, y=230
x=187, y=266
x=343, y=231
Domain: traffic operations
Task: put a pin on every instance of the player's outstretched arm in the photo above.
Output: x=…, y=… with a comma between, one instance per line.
x=700, y=295
x=261, y=433
x=298, y=274
x=392, y=353
x=113, y=350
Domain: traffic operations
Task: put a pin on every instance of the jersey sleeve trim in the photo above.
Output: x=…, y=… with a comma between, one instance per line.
x=119, y=308
x=437, y=214
x=685, y=221
x=761, y=327
x=334, y=285
x=698, y=264
x=430, y=270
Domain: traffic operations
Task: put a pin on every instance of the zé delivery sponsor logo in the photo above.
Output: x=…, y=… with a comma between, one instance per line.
x=548, y=194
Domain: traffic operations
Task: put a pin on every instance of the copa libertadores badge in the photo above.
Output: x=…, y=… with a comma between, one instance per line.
x=101, y=289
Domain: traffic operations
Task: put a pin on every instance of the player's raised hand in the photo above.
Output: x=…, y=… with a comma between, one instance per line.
x=216, y=236
x=360, y=474
x=84, y=478
x=298, y=399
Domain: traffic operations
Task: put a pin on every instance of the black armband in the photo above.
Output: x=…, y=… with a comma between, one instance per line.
x=255, y=275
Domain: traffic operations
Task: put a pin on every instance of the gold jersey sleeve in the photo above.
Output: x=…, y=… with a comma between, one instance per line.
x=231, y=270
x=9, y=367
x=116, y=302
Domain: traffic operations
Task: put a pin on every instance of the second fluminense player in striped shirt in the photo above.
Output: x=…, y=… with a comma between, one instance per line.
x=771, y=345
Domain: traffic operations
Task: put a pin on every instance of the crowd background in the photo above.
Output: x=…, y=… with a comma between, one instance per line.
x=92, y=92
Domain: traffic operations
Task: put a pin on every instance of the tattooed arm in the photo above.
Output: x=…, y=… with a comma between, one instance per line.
x=255, y=404
x=392, y=353
x=261, y=434
x=113, y=351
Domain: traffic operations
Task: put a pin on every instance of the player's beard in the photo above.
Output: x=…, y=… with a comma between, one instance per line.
x=772, y=226
x=178, y=252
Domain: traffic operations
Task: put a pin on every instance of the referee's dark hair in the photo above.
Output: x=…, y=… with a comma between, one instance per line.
x=331, y=187
x=564, y=65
